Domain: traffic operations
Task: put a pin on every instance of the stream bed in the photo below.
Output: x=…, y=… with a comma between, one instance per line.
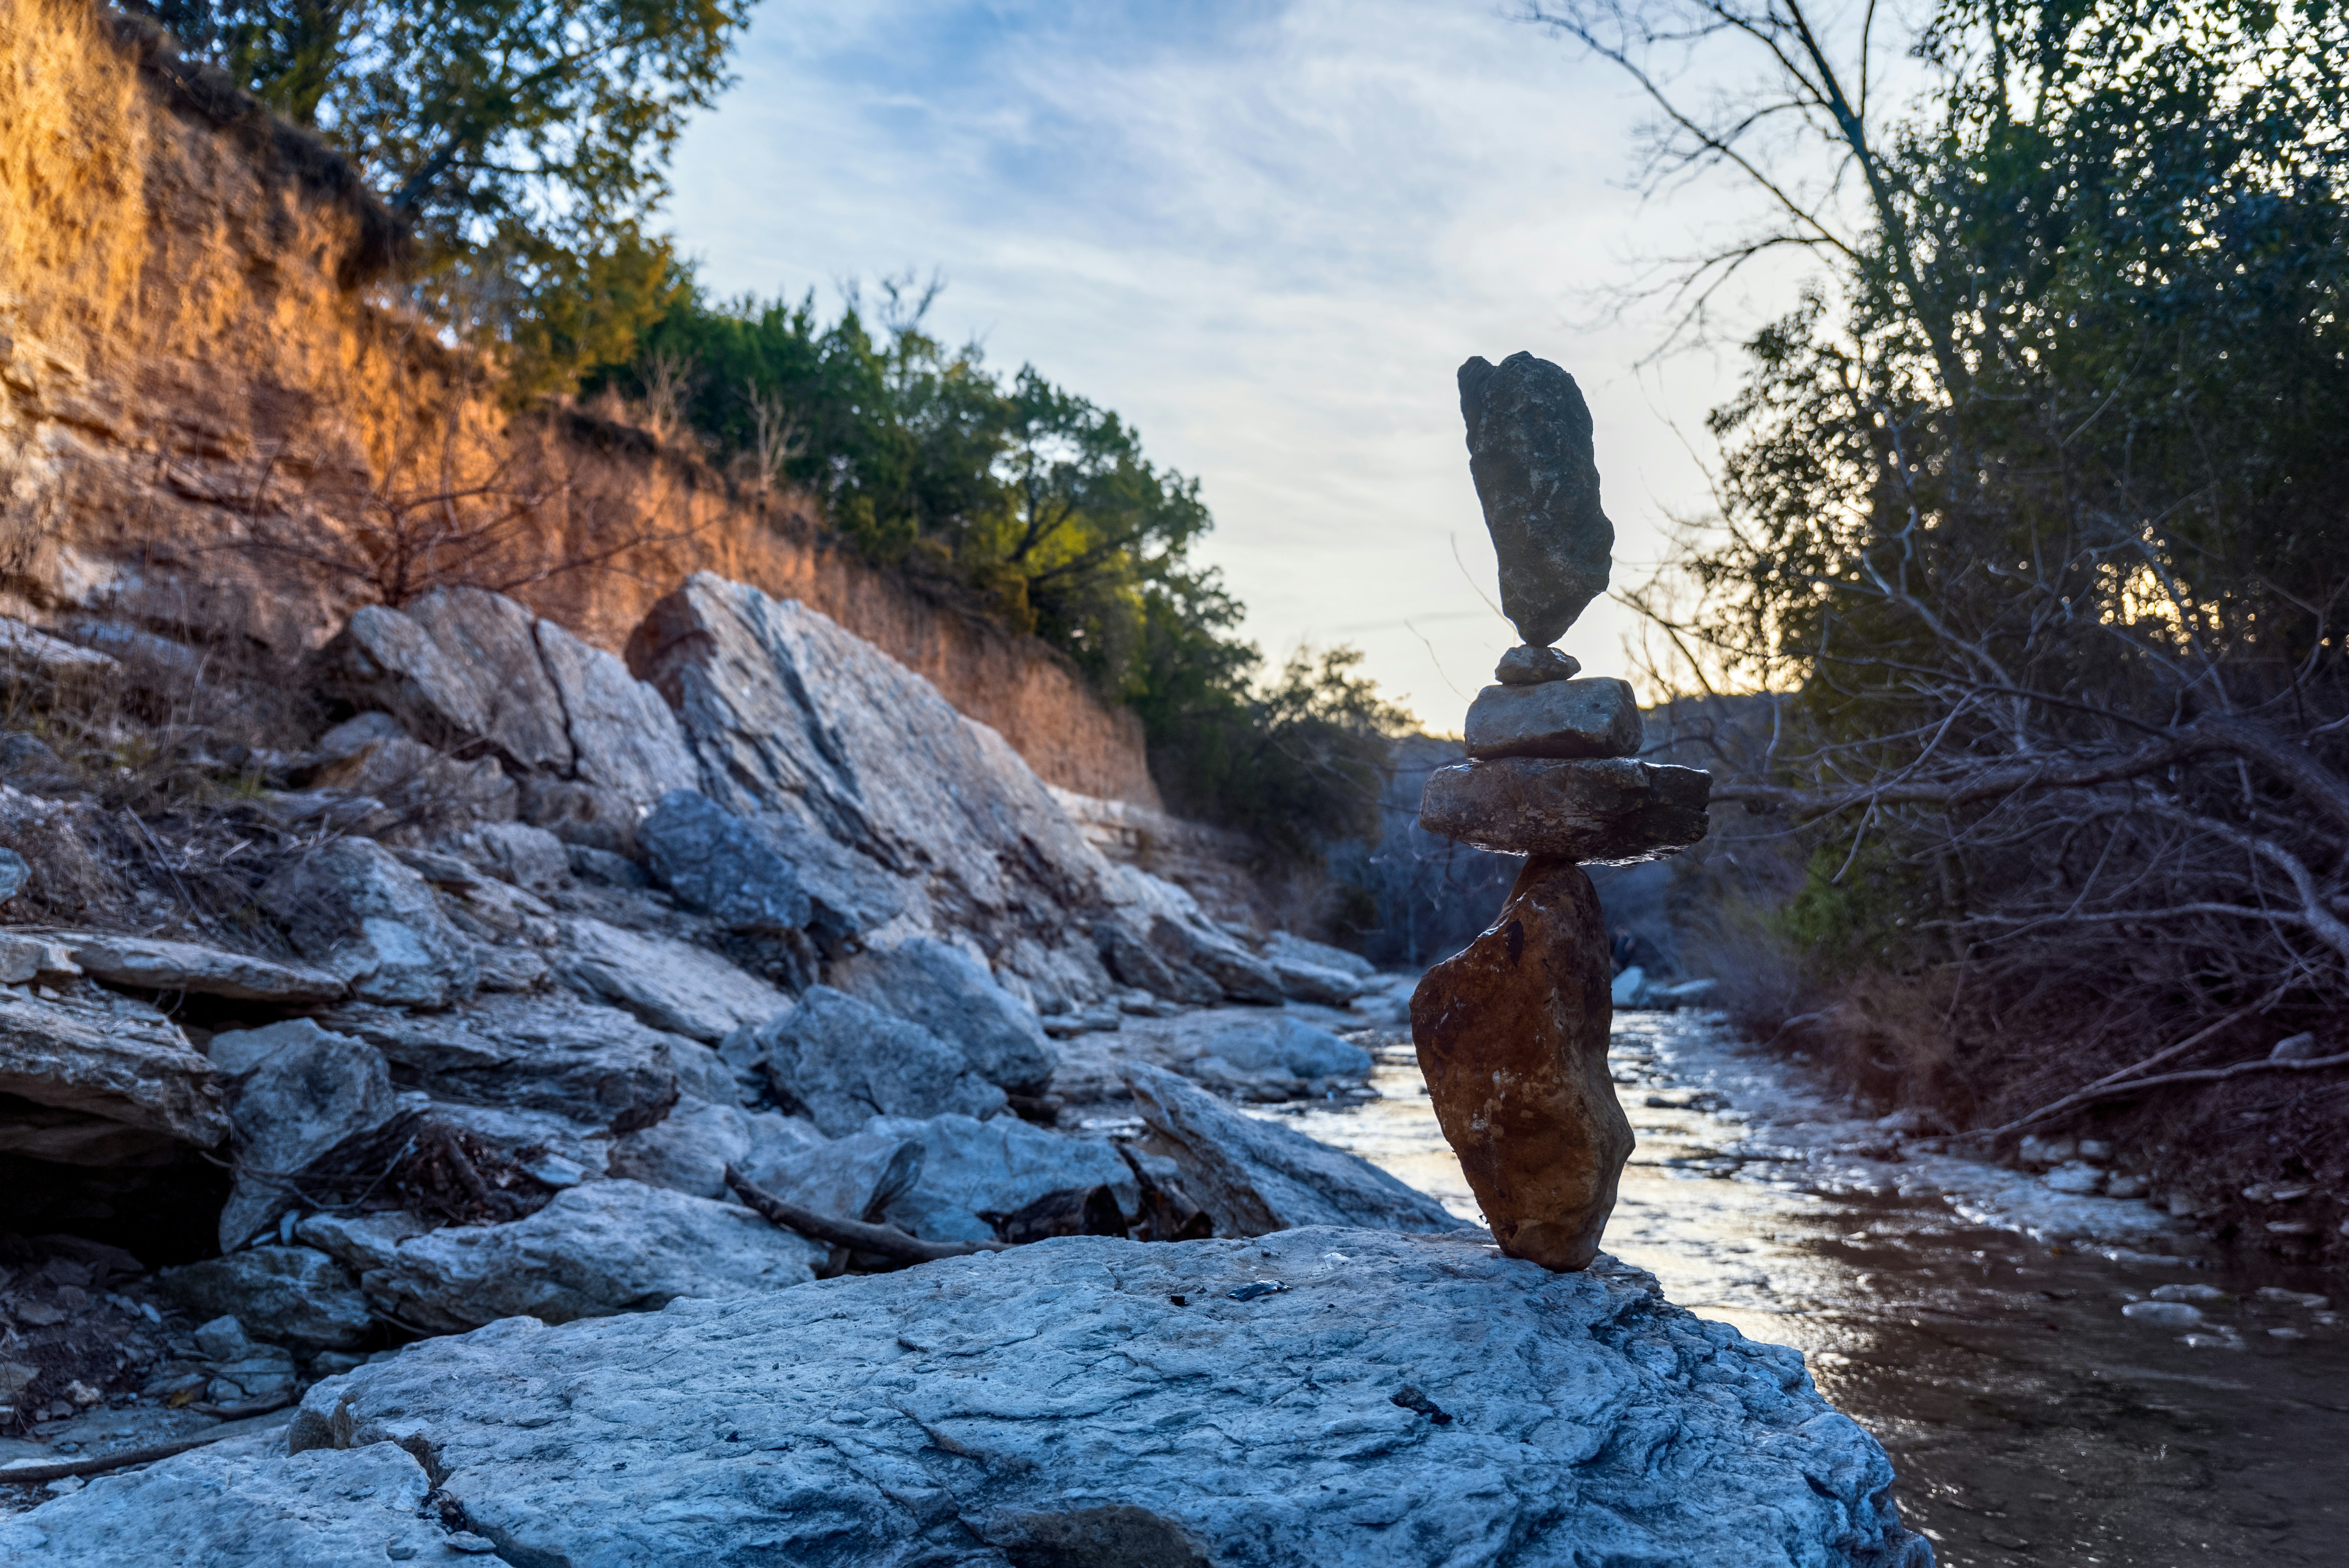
x=1967, y=1315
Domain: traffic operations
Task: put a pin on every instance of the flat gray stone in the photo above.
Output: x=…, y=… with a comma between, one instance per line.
x=116, y=1078
x=1096, y=1401
x=296, y=1092
x=150, y=963
x=670, y=985
x=1233, y=969
x=1612, y=811
x=949, y=992
x=842, y=1061
x=766, y=874
x=1525, y=665
x=531, y=859
x=294, y=1295
x=1301, y=981
x=1598, y=717
x=1254, y=1176
x=967, y=1168
x=243, y=1503
x=597, y=1249
x=1530, y=454
x=592, y=1064
x=1284, y=945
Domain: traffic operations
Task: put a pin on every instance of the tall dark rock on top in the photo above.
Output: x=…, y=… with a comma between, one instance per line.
x=1529, y=451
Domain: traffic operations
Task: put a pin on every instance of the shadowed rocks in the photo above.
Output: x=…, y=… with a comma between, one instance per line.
x=1529, y=451
x=1555, y=719
x=1511, y=1037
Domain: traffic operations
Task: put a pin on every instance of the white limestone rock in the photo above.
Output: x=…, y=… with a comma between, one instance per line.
x=1100, y=1401
x=949, y=992
x=356, y=909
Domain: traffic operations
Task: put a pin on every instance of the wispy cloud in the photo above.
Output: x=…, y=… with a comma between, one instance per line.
x=1266, y=233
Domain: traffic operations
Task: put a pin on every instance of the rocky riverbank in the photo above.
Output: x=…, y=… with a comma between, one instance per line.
x=509, y=982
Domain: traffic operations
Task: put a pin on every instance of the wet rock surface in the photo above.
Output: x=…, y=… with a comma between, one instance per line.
x=1394, y=1399
x=1611, y=811
x=1511, y=1037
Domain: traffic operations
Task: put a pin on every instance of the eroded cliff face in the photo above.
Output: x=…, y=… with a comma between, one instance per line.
x=219, y=425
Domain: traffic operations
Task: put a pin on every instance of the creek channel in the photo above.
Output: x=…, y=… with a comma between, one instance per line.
x=1967, y=1315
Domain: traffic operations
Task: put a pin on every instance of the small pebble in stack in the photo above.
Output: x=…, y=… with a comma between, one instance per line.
x=1512, y=1032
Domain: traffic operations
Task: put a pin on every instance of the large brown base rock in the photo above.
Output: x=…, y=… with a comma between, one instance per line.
x=1512, y=1038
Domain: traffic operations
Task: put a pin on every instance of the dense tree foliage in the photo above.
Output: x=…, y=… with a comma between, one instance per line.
x=524, y=143
x=1042, y=506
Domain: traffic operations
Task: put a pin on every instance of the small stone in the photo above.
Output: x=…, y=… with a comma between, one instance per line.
x=2275, y=1295
x=2163, y=1314
x=2301, y=1048
x=2125, y=1186
x=1525, y=665
x=465, y=1540
x=2076, y=1178
x=1511, y=1037
x=1607, y=811
x=2198, y=1294
x=1557, y=718
x=82, y=1394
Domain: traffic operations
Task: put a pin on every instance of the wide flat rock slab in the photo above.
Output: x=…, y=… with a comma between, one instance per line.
x=1080, y=1400
x=1611, y=811
x=102, y=1064
x=152, y=964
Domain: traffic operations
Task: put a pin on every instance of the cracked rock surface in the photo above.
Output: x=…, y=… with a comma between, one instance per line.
x=1397, y=1401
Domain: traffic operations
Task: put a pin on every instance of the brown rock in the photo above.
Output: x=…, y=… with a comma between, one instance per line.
x=1555, y=718
x=1611, y=811
x=1512, y=1038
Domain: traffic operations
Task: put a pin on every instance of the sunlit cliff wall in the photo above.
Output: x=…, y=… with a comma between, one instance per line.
x=209, y=404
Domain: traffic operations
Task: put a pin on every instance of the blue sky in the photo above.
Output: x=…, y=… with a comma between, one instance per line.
x=1265, y=233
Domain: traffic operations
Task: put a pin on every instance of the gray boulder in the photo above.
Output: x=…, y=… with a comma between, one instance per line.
x=353, y=906
x=670, y=985
x=1283, y=946
x=593, y=1065
x=529, y=858
x=1398, y=1401
x=624, y=738
x=391, y=779
x=687, y=1150
x=150, y=963
x=1239, y=973
x=842, y=1061
x=1254, y=1176
x=764, y=874
x=1302, y=982
x=950, y=992
x=966, y=1169
x=597, y=1249
x=1271, y=1043
x=486, y=640
x=1137, y=961
x=788, y=715
x=295, y=1091
x=295, y=1296
x=105, y=1081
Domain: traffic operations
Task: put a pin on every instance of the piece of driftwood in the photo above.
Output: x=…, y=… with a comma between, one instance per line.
x=98, y=1464
x=887, y=1240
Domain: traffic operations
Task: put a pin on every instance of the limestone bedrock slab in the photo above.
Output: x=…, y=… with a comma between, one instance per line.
x=1512, y=1038
x=1611, y=811
x=152, y=964
x=1530, y=453
x=1598, y=717
x=1080, y=1400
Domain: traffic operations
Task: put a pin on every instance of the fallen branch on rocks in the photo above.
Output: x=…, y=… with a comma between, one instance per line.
x=2125, y=1078
x=98, y=1464
x=887, y=1240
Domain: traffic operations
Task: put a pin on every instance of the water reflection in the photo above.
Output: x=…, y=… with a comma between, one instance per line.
x=1968, y=1315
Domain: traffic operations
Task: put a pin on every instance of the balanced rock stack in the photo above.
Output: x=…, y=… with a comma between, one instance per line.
x=1512, y=1032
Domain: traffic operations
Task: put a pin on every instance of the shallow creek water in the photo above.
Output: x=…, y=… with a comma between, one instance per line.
x=1967, y=1315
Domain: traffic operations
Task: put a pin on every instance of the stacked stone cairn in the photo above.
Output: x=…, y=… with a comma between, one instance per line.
x=1512, y=1032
